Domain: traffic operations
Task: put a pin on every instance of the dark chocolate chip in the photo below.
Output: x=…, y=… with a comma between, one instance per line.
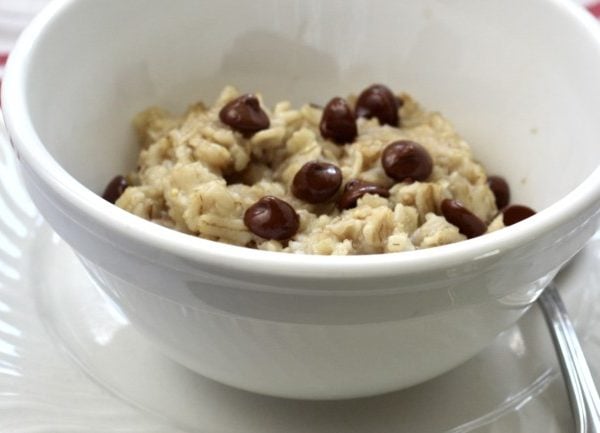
x=317, y=182
x=467, y=222
x=406, y=160
x=338, y=123
x=244, y=115
x=272, y=218
x=501, y=190
x=114, y=189
x=355, y=189
x=378, y=101
x=515, y=213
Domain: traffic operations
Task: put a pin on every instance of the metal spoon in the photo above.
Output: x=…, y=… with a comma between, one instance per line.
x=583, y=396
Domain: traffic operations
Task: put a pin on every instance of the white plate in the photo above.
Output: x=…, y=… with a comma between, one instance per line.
x=71, y=362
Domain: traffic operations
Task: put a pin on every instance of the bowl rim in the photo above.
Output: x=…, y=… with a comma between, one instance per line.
x=241, y=259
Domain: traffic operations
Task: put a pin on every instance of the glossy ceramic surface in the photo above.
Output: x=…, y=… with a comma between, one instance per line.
x=297, y=326
x=70, y=360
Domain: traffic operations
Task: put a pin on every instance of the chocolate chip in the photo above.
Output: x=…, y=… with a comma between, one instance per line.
x=316, y=182
x=244, y=115
x=500, y=189
x=378, y=101
x=468, y=223
x=515, y=213
x=114, y=189
x=355, y=189
x=272, y=218
x=406, y=160
x=338, y=123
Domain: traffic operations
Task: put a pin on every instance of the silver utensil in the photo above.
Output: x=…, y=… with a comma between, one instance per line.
x=583, y=395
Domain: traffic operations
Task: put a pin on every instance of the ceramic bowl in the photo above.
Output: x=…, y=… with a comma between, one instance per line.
x=518, y=78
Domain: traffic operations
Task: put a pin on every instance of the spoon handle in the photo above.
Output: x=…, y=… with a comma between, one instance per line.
x=583, y=396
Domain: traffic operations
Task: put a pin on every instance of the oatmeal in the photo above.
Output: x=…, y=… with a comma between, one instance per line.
x=372, y=174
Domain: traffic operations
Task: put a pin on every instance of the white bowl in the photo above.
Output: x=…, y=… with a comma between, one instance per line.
x=517, y=77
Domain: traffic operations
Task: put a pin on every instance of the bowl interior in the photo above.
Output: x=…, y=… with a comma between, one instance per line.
x=516, y=77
